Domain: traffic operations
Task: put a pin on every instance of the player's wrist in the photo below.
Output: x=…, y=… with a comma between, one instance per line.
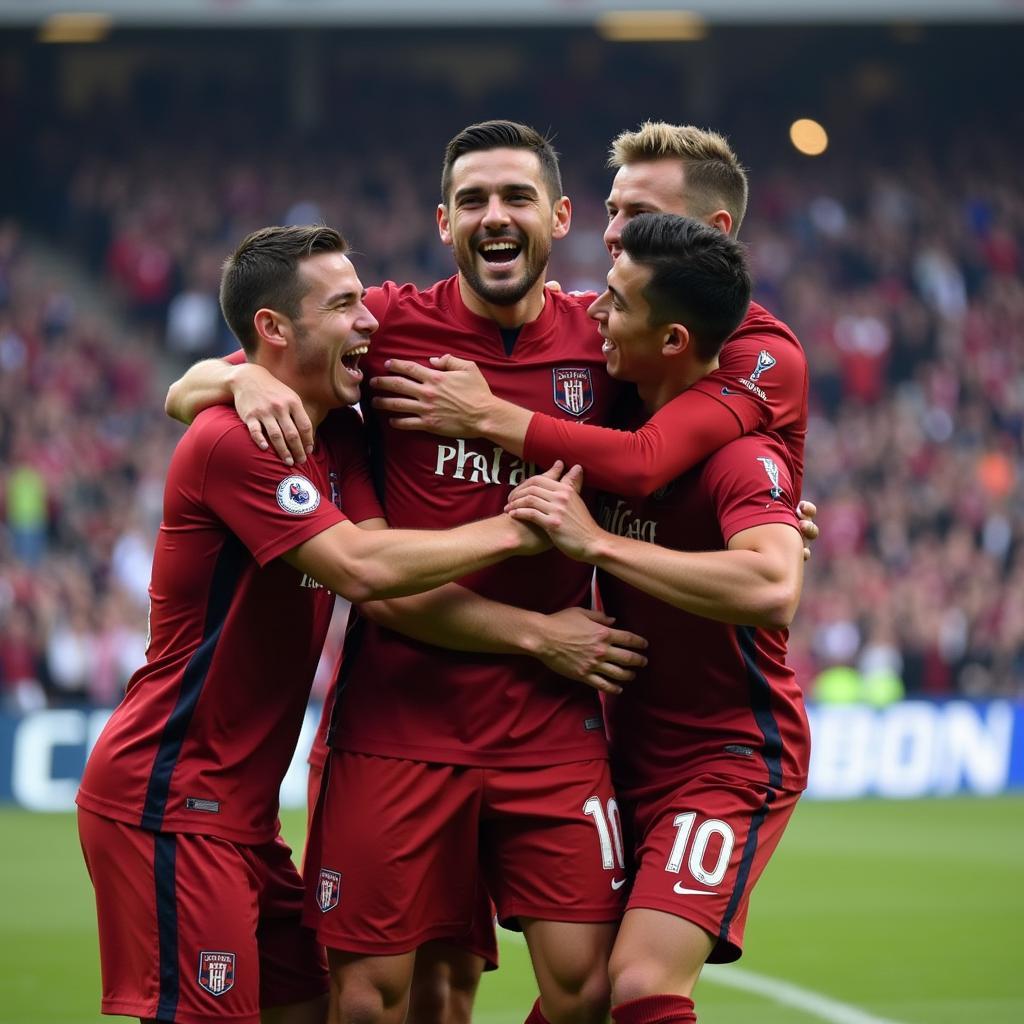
x=485, y=419
x=531, y=639
x=599, y=549
x=243, y=374
x=503, y=422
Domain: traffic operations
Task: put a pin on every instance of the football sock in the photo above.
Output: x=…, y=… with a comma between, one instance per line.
x=536, y=1017
x=655, y=1010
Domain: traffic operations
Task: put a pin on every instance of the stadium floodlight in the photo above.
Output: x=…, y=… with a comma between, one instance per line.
x=652, y=26
x=75, y=27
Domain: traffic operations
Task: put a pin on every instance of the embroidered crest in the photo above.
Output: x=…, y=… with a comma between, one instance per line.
x=297, y=495
x=773, y=475
x=765, y=361
x=573, y=389
x=328, y=890
x=217, y=972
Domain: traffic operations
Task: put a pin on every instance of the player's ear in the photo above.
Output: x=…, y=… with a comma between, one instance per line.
x=561, y=217
x=272, y=327
x=443, y=227
x=721, y=219
x=677, y=340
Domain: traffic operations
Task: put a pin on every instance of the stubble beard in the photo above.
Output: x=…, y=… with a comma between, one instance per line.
x=505, y=293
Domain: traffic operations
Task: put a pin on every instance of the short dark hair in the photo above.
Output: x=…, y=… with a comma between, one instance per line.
x=264, y=272
x=699, y=276
x=502, y=135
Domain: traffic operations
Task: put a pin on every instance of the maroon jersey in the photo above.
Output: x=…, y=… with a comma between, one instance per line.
x=208, y=726
x=713, y=696
x=761, y=384
x=402, y=698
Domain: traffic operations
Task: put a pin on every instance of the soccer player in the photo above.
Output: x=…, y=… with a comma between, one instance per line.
x=710, y=743
x=760, y=383
x=468, y=764
x=198, y=901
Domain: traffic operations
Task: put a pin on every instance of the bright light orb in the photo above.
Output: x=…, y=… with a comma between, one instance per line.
x=808, y=137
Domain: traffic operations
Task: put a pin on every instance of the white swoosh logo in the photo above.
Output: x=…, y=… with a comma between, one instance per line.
x=683, y=891
x=618, y=883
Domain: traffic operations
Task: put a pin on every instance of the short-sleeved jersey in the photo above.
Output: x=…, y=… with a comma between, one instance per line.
x=760, y=384
x=209, y=724
x=713, y=696
x=402, y=698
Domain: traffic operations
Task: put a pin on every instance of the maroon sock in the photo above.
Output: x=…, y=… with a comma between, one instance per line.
x=655, y=1010
x=536, y=1017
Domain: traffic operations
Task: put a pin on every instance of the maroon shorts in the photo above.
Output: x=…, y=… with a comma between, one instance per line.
x=399, y=850
x=481, y=939
x=700, y=848
x=194, y=928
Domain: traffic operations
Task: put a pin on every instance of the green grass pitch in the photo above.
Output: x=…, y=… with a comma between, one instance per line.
x=907, y=912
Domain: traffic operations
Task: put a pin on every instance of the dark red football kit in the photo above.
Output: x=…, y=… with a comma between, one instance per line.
x=710, y=743
x=502, y=725
x=179, y=797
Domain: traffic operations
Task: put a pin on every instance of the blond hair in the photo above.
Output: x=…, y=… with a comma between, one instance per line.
x=714, y=177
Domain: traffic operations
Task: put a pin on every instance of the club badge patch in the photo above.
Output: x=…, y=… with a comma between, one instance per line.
x=328, y=890
x=217, y=972
x=573, y=389
x=297, y=495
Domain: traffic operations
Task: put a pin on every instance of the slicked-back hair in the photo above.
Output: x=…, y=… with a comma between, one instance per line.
x=478, y=138
x=699, y=276
x=714, y=179
x=264, y=272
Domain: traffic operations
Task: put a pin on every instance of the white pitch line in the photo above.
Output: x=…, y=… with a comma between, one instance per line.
x=788, y=994
x=784, y=992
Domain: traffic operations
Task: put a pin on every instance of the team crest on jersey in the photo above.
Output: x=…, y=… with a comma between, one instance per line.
x=765, y=361
x=773, y=475
x=217, y=972
x=573, y=389
x=297, y=495
x=328, y=890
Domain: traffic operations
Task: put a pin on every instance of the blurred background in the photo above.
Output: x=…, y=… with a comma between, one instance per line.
x=143, y=143
x=886, y=226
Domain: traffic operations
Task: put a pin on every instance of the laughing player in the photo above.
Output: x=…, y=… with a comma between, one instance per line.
x=482, y=763
x=197, y=898
x=710, y=743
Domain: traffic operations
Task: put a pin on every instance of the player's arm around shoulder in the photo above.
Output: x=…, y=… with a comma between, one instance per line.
x=271, y=411
x=762, y=375
x=202, y=385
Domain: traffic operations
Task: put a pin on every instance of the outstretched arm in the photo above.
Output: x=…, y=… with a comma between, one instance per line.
x=271, y=411
x=756, y=581
x=366, y=565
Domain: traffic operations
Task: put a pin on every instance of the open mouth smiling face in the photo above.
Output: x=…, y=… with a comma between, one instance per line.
x=499, y=252
x=350, y=360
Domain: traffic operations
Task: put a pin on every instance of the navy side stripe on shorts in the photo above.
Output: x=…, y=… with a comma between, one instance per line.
x=164, y=852
x=760, y=704
x=746, y=862
x=223, y=584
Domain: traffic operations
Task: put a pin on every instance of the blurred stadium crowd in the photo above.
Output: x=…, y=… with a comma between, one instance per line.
x=902, y=277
